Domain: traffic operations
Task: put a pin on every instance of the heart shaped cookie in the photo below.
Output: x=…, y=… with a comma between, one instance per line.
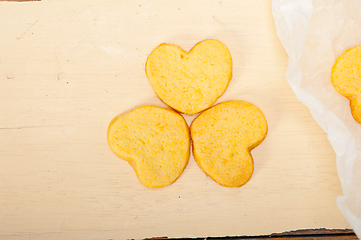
x=346, y=78
x=222, y=139
x=155, y=141
x=190, y=82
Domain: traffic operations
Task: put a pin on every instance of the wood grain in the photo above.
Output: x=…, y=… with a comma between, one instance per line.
x=66, y=69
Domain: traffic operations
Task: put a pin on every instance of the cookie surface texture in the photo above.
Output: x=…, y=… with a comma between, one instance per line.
x=222, y=139
x=155, y=142
x=346, y=78
x=190, y=82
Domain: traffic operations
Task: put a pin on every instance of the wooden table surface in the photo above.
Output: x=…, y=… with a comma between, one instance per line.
x=68, y=67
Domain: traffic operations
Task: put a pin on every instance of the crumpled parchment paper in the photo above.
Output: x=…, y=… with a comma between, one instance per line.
x=314, y=33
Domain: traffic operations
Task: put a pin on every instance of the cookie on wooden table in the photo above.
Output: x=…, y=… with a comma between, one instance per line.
x=155, y=142
x=190, y=82
x=222, y=139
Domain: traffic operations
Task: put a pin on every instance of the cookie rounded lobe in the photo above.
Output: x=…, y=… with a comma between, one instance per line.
x=155, y=142
x=346, y=78
x=190, y=82
x=222, y=139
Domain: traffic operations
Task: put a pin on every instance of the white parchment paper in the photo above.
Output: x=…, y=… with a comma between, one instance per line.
x=314, y=34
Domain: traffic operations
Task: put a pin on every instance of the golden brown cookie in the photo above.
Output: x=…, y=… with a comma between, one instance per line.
x=223, y=137
x=190, y=82
x=346, y=78
x=155, y=141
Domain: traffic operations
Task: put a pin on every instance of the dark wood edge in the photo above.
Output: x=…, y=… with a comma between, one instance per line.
x=320, y=233
x=20, y=0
